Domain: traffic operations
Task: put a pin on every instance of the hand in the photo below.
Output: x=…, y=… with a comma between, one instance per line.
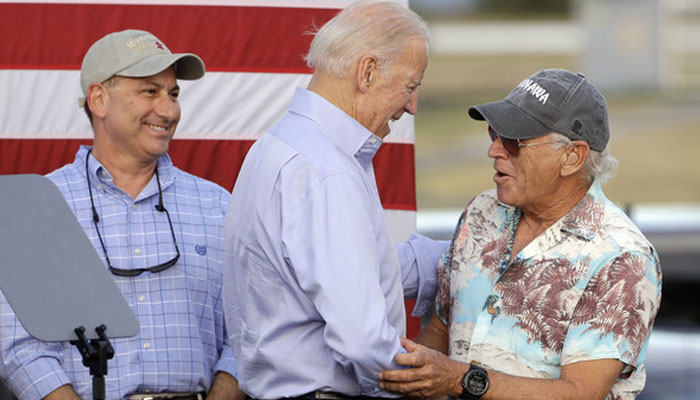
x=224, y=387
x=64, y=392
x=433, y=373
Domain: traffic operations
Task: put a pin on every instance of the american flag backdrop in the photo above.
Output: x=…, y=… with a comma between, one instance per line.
x=253, y=51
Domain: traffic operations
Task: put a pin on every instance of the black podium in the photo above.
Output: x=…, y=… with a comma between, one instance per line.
x=54, y=279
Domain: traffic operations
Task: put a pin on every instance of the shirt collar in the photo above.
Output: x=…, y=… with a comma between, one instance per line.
x=584, y=220
x=98, y=173
x=348, y=135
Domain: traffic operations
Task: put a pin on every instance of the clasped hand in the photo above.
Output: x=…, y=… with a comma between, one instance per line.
x=432, y=374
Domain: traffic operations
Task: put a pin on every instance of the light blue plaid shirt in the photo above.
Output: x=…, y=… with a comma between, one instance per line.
x=182, y=342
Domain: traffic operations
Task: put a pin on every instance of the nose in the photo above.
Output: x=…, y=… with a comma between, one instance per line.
x=496, y=149
x=168, y=107
x=412, y=105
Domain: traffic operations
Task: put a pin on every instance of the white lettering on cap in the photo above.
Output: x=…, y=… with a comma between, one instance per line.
x=136, y=41
x=535, y=89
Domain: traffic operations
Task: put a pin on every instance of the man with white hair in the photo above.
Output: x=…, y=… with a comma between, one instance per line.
x=548, y=290
x=313, y=284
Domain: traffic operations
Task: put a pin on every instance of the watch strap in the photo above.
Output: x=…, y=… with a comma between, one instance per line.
x=467, y=393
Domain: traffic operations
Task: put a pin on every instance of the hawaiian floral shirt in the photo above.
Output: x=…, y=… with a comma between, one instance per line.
x=587, y=288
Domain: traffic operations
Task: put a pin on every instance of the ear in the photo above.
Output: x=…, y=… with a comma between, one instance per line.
x=366, y=72
x=574, y=158
x=97, y=98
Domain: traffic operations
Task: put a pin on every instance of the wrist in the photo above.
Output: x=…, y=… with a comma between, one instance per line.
x=475, y=383
x=459, y=371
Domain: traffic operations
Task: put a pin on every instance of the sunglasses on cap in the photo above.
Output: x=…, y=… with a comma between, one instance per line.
x=512, y=146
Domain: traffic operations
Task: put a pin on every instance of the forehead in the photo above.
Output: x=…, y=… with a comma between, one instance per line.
x=413, y=59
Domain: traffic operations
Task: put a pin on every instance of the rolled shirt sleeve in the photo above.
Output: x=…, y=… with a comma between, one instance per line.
x=615, y=314
x=227, y=362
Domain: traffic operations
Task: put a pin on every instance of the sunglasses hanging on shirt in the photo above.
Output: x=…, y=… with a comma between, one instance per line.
x=159, y=207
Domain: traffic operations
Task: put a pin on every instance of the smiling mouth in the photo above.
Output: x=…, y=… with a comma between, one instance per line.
x=157, y=127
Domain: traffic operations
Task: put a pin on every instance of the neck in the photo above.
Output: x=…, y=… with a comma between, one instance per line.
x=129, y=175
x=337, y=91
x=534, y=222
x=537, y=219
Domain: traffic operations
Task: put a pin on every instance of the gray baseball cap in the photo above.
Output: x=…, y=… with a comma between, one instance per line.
x=136, y=54
x=550, y=100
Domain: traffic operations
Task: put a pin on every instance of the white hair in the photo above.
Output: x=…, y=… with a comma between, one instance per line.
x=380, y=28
x=601, y=165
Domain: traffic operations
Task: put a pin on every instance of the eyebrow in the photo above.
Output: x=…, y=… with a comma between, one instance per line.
x=159, y=86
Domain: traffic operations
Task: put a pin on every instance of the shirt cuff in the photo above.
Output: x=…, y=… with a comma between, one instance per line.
x=369, y=385
x=227, y=363
x=428, y=253
x=37, y=378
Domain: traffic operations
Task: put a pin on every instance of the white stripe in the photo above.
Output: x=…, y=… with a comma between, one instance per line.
x=37, y=104
x=225, y=105
x=401, y=223
x=41, y=104
x=254, y=3
x=402, y=131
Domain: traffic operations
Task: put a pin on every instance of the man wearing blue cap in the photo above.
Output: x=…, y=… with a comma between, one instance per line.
x=158, y=229
x=548, y=290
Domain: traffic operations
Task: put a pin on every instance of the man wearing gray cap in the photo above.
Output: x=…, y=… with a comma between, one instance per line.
x=548, y=290
x=159, y=230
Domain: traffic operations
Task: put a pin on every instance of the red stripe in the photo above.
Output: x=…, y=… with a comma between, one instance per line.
x=395, y=173
x=412, y=323
x=36, y=156
x=228, y=38
x=216, y=160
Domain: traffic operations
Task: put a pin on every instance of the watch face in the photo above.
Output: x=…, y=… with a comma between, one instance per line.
x=477, y=382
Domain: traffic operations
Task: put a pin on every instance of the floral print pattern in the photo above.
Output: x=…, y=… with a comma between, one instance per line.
x=587, y=288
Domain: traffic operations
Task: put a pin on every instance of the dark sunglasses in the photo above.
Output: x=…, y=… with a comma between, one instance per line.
x=159, y=207
x=512, y=146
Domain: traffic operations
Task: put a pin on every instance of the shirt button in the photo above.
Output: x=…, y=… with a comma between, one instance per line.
x=137, y=251
x=99, y=187
x=491, y=310
x=133, y=206
x=146, y=346
x=142, y=298
x=373, y=141
x=104, y=173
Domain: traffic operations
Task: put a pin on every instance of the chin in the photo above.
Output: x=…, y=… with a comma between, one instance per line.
x=384, y=131
x=157, y=151
x=505, y=197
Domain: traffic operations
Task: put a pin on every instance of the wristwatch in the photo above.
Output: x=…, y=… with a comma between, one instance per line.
x=475, y=383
